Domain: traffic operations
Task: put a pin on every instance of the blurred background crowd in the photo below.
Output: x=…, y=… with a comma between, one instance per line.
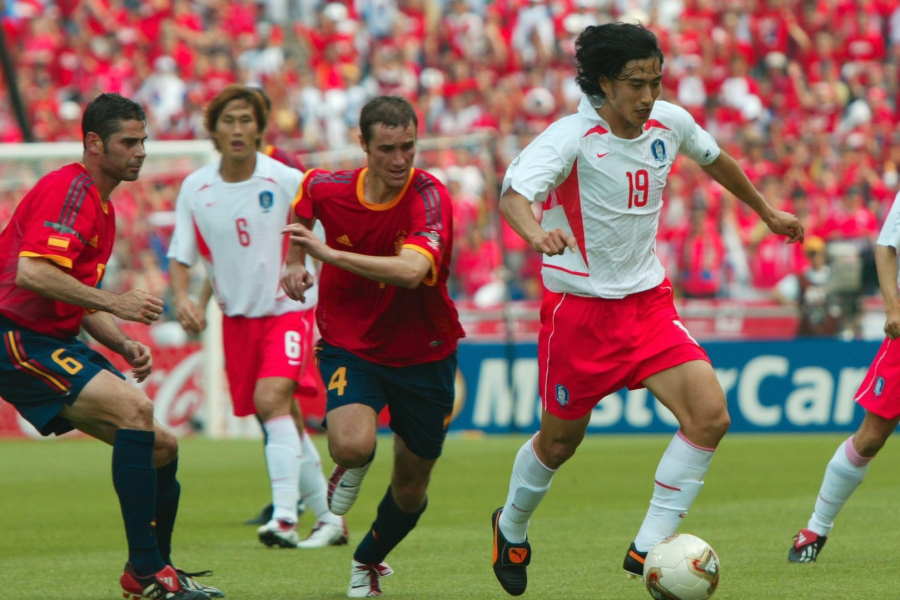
x=803, y=92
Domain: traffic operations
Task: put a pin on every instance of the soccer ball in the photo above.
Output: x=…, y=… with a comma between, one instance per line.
x=681, y=567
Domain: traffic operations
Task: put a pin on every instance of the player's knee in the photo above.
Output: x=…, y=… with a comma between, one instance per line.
x=349, y=455
x=553, y=453
x=137, y=413
x=271, y=406
x=719, y=423
x=165, y=448
x=708, y=427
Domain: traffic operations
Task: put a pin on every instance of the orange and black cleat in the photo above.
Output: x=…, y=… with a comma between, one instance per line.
x=509, y=559
x=634, y=562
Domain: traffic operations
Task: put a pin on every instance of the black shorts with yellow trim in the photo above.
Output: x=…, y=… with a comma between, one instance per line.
x=40, y=374
x=419, y=397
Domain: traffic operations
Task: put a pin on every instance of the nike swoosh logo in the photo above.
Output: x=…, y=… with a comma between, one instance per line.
x=344, y=484
x=602, y=155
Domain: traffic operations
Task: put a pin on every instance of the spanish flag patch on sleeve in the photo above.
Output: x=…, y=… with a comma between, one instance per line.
x=55, y=241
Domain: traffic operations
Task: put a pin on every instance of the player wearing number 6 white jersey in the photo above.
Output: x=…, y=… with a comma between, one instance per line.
x=231, y=213
x=608, y=319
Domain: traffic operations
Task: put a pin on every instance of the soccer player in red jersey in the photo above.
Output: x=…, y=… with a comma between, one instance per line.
x=54, y=251
x=879, y=394
x=389, y=329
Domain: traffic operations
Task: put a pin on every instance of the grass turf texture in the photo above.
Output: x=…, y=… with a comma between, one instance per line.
x=61, y=536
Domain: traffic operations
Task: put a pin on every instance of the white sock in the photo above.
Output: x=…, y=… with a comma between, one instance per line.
x=679, y=478
x=283, y=453
x=528, y=483
x=844, y=473
x=313, y=487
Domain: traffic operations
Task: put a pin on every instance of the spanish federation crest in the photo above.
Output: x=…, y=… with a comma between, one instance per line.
x=658, y=150
x=266, y=199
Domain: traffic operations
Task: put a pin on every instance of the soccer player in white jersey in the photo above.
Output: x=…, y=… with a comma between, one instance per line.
x=608, y=319
x=879, y=394
x=231, y=213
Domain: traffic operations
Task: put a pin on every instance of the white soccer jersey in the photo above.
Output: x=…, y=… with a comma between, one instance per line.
x=890, y=229
x=607, y=192
x=236, y=229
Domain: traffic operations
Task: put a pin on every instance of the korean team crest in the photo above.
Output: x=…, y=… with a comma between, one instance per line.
x=562, y=394
x=658, y=150
x=879, y=385
x=266, y=199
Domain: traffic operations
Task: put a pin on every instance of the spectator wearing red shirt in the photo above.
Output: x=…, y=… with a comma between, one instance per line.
x=701, y=257
x=851, y=220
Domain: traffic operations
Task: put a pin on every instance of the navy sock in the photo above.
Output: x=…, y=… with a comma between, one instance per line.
x=134, y=478
x=168, y=490
x=390, y=527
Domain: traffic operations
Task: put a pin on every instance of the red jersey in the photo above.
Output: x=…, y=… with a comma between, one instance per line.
x=63, y=220
x=379, y=322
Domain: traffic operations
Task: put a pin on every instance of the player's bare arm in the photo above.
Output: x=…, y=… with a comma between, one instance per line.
x=407, y=269
x=296, y=279
x=102, y=327
x=43, y=277
x=729, y=174
x=516, y=209
x=187, y=312
x=886, y=266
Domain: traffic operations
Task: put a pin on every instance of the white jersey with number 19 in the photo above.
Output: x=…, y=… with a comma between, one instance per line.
x=236, y=229
x=607, y=192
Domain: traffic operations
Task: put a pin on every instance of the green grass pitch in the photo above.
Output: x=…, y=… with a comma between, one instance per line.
x=61, y=537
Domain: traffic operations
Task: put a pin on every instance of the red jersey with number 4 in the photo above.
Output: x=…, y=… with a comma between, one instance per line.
x=383, y=323
x=63, y=220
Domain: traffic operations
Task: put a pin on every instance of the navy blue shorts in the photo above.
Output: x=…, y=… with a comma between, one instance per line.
x=420, y=397
x=40, y=374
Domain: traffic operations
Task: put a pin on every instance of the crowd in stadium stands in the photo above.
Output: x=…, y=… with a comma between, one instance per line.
x=803, y=91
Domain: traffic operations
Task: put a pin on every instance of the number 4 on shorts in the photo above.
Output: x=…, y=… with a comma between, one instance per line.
x=338, y=380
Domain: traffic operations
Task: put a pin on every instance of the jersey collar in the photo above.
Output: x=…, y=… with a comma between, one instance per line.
x=361, y=191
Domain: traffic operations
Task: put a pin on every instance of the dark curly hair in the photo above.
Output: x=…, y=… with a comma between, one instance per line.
x=601, y=52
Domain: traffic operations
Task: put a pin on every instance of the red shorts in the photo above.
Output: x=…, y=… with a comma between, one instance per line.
x=591, y=347
x=310, y=392
x=879, y=392
x=257, y=347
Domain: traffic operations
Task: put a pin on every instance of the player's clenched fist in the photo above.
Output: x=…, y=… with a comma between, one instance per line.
x=784, y=223
x=137, y=305
x=189, y=315
x=139, y=357
x=295, y=281
x=554, y=242
x=892, y=323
